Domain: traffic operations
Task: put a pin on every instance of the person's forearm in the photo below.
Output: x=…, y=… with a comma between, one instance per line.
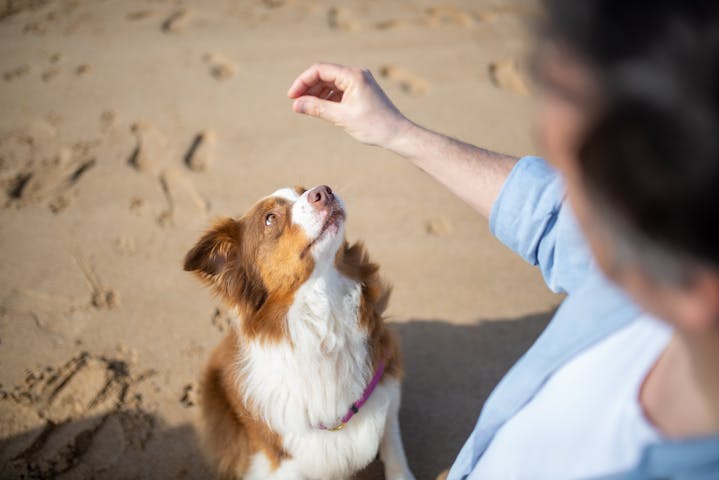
x=474, y=174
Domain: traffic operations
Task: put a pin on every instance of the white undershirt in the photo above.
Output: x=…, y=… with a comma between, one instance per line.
x=586, y=420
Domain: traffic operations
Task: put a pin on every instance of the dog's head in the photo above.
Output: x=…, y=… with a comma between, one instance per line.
x=272, y=249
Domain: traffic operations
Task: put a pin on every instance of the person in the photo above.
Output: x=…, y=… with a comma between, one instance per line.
x=623, y=216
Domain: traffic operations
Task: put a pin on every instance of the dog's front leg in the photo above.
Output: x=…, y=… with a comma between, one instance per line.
x=391, y=450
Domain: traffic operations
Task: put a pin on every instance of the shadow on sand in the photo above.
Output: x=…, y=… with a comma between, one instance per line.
x=450, y=371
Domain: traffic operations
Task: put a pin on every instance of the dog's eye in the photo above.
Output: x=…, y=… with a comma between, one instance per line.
x=270, y=219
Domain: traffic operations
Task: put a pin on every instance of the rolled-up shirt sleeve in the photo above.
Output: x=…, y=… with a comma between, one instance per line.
x=531, y=217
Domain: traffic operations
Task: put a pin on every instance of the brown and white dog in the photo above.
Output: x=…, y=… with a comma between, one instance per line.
x=307, y=383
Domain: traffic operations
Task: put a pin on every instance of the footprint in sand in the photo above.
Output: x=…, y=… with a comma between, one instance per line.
x=150, y=156
x=35, y=167
x=150, y=147
x=221, y=319
x=126, y=245
x=220, y=67
x=35, y=28
x=407, y=81
x=506, y=75
x=449, y=15
x=177, y=21
x=181, y=197
x=139, y=15
x=16, y=73
x=82, y=70
x=273, y=3
x=189, y=395
x=101, y=297
x=201, y=152
x=525, y=9
x=137, y=206
x=434, y=17
x=390, y=24
x=439, y=227
x=222, y=71
x=343, y=20
x=50, y=74
x=108, y=121
x=75, y=419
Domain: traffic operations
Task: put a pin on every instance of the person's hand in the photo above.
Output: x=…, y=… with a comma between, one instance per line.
x=350, y=98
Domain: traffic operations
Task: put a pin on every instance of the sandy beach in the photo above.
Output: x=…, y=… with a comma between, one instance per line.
x=126, y=126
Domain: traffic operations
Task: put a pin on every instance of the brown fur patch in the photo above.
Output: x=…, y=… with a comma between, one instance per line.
x=281, y=267
x=225, y=437
x=353, y=261
x=232, y=433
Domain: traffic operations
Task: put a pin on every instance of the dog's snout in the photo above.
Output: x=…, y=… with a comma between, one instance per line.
x=320, y=196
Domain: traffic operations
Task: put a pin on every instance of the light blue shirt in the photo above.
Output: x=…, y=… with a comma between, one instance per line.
x=530, y=217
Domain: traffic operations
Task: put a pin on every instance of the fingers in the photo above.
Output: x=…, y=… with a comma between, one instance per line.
x=329, y=73
x=317, y=107
x=317, y=89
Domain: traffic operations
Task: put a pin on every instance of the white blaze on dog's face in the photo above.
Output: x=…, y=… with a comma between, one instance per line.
x=270, y=251
x=321, y=214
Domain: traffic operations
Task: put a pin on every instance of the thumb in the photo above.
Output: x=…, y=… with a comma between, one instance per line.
x=317, y=107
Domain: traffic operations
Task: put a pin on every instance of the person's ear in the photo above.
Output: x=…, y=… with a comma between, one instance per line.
x=698, y=303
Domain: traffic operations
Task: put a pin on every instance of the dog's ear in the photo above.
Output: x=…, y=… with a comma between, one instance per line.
x=216, y=259
x=217, y=247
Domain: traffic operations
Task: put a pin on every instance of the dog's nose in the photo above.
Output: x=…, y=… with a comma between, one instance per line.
x=320, y=196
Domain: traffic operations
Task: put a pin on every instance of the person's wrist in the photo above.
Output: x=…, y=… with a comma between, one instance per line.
x=399, y=141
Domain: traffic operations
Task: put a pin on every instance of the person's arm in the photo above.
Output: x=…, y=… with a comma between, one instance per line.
x=351, y=98
x=525, y=197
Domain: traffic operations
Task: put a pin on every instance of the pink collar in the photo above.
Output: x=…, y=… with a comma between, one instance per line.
x=354, y=408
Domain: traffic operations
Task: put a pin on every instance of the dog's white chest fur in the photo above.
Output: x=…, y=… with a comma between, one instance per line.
x=312, y=381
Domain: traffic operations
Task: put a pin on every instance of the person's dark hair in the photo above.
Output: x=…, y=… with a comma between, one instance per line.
x=652, y=155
